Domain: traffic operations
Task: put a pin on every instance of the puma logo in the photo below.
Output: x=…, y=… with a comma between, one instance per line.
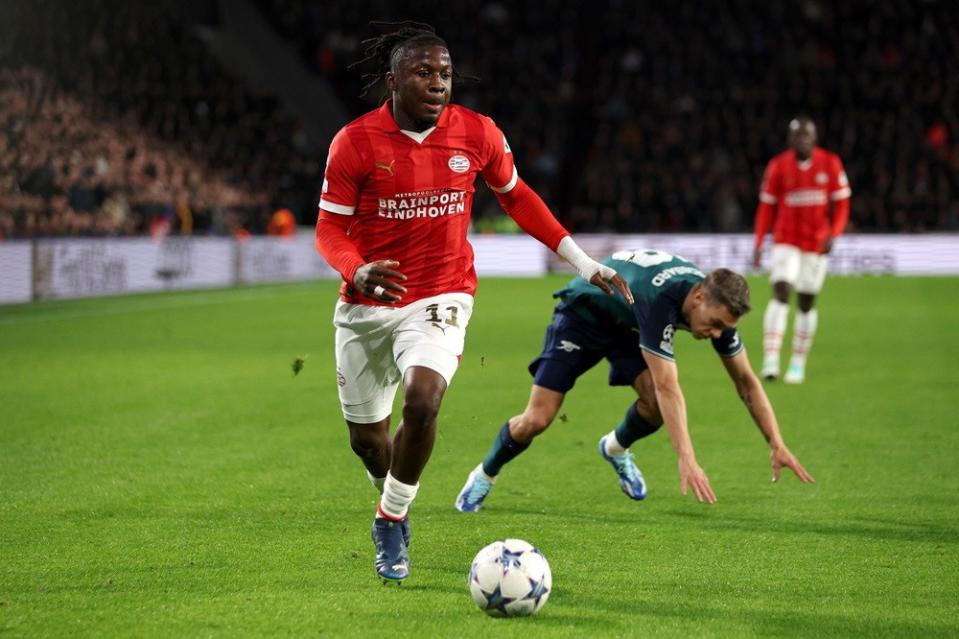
x=386, y=167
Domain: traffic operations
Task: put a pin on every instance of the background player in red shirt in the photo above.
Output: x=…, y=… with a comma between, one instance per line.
x=394, y=213
x=804, y=200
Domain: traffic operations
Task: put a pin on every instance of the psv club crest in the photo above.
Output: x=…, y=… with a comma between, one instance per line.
x=459, y=164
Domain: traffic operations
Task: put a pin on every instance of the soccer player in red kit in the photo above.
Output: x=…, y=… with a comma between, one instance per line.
x=804, y=200
x=394, y=213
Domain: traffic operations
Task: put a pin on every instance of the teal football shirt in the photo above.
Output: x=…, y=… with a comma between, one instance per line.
x=659, y=282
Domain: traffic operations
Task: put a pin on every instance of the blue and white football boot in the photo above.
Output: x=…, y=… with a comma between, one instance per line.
x=795, y=374
x=630, y=478
x=392, y=559
x=770, y=370
x=474, y=492
x=407, y=535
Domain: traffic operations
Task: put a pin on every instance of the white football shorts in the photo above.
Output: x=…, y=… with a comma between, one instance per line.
x=376, y=344
x=804, y=271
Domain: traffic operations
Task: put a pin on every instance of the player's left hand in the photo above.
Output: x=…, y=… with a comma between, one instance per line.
x=606, y=278
x=783, y=457
x=827, y=245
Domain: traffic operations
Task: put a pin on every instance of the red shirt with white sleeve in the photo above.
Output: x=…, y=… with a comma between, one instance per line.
x=407, y=196
x=803, y=202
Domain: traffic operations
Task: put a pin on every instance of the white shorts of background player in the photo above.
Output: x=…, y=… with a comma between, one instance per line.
x=804, y=271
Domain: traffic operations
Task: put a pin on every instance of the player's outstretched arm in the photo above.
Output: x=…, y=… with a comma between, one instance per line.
x=753, y=395
x=672, y=406
x=529, y=210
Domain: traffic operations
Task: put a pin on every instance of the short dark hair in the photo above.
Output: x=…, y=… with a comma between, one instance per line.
x=729, y=289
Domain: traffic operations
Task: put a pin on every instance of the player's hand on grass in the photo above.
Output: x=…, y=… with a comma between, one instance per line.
x=606, y=278
x=691, y=476
x=376, y=281
x=782, y=457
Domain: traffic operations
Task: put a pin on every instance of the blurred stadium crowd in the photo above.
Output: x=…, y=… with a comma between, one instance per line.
x=115, y=119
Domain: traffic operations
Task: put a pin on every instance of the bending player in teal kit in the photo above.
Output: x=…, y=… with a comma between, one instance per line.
x=671, y=294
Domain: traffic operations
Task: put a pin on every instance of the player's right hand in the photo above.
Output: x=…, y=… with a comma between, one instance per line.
x=375, y=280
x=757, y=255
x=692, y=476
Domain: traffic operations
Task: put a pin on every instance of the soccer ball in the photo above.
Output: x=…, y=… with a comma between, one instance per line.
x=510, y=578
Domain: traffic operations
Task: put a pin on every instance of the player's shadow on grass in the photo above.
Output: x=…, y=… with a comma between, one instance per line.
x=413, y=586
x=864, y=527
x=560, y=515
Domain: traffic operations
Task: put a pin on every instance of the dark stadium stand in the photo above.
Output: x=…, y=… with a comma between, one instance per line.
x=643, y=116
x=627, y=117
x=117, y=119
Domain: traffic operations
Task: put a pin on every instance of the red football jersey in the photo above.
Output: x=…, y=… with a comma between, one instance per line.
x=800, y=194
x=411, y=194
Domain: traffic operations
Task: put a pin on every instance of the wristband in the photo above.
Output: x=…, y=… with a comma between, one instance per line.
x=577, y=257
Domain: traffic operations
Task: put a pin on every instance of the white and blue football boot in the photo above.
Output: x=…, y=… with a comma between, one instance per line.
x=392, y=560
x=770, y=369
x=474, y=492
x=630, y=478
x=795, y=374
x=407, y=535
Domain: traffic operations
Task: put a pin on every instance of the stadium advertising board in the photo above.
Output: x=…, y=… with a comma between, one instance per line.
x=509, y=255
x=83, y=268
x=16, y=272
x=270, y=259
x=50, y=269
x=852, y=254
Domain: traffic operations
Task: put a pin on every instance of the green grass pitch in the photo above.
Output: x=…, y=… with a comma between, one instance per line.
x=164, y=473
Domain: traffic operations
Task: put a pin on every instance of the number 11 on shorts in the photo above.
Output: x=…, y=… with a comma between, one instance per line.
x=433, y=310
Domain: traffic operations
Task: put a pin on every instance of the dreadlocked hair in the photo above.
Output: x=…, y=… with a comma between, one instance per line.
x=379, y=50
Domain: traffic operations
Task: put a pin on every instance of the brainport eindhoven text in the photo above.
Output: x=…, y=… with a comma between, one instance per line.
x=416, y=206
